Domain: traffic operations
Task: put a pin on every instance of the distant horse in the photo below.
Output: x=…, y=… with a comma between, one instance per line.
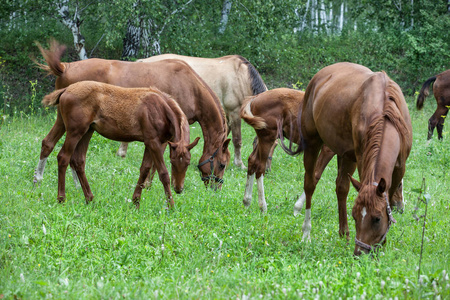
x=441, y=91
x=120, y=114
x=232, y=78
x=173, y=77
x=363, y=117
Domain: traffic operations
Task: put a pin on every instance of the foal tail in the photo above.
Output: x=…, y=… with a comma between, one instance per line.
x=252, y=120
x=300, y=143
x=53, y=58
x=424, y=92
x=52, y=99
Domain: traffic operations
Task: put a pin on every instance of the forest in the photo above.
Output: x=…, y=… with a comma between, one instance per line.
x=287, y=40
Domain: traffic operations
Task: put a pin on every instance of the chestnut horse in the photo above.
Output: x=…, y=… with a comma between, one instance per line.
x=122, y=114
x=174, y=77
x=363, y=117
x=441, y=91
x=232, y=78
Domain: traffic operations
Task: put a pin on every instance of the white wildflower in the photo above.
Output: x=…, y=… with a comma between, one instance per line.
x=43, y=229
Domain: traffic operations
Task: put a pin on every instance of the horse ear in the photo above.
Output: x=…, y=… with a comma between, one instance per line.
x=356, y=184
x=193, y=144
x=172, y=145
x=381, y=187
x=225, y=144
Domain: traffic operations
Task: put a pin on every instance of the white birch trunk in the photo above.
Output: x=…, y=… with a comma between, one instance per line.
x=73, y=23
x=341, y=17
x=225, y=13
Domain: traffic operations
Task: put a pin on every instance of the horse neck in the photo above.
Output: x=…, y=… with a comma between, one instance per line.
x=212, y=120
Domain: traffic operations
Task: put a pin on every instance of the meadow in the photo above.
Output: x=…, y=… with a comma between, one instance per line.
x=210, y=246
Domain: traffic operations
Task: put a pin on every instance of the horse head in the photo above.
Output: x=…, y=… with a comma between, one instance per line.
x=180, y=158
x=213, y=167
x=372, y=215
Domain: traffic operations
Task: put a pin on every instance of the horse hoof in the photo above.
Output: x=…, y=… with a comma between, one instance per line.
x=247, y=202
x=61, y=199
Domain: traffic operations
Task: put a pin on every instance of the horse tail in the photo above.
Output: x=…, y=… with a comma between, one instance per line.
x=52, y=99
x=424, y=92
x=53, y=58
x=300, y=143
x=252, y=120
x=258, y=85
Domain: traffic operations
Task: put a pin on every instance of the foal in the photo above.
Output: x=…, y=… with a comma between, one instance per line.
x=265, y=113
x=139, y=114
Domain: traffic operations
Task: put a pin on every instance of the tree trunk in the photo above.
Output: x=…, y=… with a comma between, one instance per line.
x=74, y=24
x=225, y=13
x=131, y=41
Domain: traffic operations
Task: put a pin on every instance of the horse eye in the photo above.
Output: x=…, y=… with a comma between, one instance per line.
x=221, y=166
x=376, y=220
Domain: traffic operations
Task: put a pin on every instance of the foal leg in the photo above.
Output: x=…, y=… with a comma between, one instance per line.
x=122, y=152
x=64, y=157
x=250, y=177
x=345, y=167
x=48, y=143
x=78, y=163
x=151, y=174
x=145, y=168
x=269, y=159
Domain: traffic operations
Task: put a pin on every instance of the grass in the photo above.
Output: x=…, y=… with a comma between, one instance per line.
x=209, y=246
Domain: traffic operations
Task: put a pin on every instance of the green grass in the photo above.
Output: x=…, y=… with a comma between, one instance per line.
x=213, y=247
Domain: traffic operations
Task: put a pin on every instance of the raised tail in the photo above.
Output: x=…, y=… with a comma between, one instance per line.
x=424, y=92
x=52, y=99
x=247, y=115
x=53, y=58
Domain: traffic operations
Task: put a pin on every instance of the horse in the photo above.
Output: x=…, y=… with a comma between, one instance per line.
x=265, y=113
x=174, y=77
x=361, y=116
x=122, y=114
x=441, y=91
x=232, y=78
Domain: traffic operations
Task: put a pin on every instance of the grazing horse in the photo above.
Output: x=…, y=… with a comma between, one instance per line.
x=232, y=78
x=361, y=116
x=122, y=114
x=174, y=77
x=441, y=91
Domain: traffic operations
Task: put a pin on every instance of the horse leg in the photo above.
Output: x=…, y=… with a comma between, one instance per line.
x=48, y=144
x=326, y=154
x=309, y=162
x=345, y=167
x=78, y=163
x=122, y=151
x=437, y=119
x=235, y=124
x=269, y=159
x=158, y=163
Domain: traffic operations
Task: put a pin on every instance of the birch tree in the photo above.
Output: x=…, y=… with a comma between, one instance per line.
x=225, y=12
x=73, y=22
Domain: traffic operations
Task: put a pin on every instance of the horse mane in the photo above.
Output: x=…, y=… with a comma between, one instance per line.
x=424, y=92
x=246, y=114
x=258, y=85
x=53, y=58
x=372, y=140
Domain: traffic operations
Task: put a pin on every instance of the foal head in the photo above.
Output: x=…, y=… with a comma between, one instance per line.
x=372, y=215
x=180, y=158
x=213, y=167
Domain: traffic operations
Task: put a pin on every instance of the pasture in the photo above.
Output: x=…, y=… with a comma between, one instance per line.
x=209, y=246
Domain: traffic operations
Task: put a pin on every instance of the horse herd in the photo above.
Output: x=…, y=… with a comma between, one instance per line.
x=347, y=110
